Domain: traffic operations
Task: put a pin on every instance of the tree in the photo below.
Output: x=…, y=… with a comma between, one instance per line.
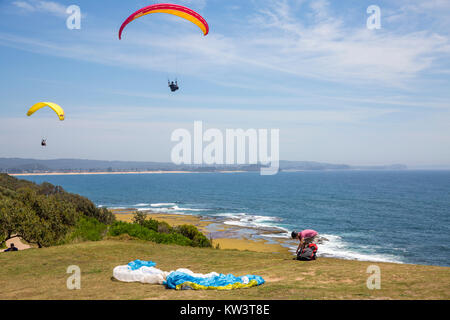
x=139, y=217
x=11, y=212
x=38, y=219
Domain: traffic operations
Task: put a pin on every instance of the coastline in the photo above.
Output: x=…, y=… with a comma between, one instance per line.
x=115, y=172
x=222, y=235
x=41, y=273
x=249, y=238
x=254, y=210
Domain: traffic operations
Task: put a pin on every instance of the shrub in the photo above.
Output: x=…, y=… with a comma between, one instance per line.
x=143, y=233
x=191, y=232
x=36, y=218
x=86, y=207
x=164, y=227
x=140, y=218
x=11, y=186
x=150, y=224
x=47, y=215
x=88, y=229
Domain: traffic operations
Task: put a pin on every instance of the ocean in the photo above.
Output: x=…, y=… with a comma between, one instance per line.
x=387, y=216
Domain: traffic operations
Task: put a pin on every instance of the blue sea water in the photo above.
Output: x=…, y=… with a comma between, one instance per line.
x=393, y=216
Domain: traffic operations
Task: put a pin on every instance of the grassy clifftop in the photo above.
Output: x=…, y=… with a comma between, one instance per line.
x=41, y=274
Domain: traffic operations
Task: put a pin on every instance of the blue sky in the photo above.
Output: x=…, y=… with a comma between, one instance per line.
x=337, y=91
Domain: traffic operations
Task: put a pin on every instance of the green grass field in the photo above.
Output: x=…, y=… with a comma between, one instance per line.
x=41, y=274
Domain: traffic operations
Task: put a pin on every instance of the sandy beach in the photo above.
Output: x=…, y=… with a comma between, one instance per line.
x=93, y=173
x=113, y=172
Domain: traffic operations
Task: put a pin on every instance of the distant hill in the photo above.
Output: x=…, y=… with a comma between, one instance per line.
x=20, y=165
x=311, y=165
x=77, y=164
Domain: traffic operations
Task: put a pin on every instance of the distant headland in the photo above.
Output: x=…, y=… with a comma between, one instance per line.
x=84, y=166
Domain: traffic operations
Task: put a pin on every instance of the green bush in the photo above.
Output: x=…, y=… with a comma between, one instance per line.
x=143, y=233
x=140, y=218
x=164, y=227
x=197, y=238
x=88, y=229
x=201, y=241
x=150, y=224
x=86, y=207
x=189, y=231
x=9, y=186
x=36, y=218
x=47, y=215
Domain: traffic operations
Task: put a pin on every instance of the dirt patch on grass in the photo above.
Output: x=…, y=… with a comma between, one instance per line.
x=274, y=279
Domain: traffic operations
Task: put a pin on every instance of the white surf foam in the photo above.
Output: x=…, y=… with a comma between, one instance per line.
x=243, y=219
x=167, y=204
x=177, y=208
x=283, y=235
x=169, y=208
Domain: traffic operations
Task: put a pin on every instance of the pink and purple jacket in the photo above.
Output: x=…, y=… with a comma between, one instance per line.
x=308, y=233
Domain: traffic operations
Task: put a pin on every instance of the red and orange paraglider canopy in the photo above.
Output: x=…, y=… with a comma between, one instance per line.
x=177, y=10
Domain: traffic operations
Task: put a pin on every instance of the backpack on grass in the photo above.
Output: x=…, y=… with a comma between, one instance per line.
x=308, y=253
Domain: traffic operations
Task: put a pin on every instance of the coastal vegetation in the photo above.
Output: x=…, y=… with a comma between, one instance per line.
x=185, y=235
x=146, y=228
x=46, y=215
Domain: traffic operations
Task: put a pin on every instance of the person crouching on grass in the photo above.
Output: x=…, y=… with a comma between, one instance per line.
x=305, y=237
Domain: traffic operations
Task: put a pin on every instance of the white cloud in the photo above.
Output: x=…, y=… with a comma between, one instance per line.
x=51, y=7
x=193, y=4
x=414, y=12
x=328, y=48
x=24, y=5
x=276, y=40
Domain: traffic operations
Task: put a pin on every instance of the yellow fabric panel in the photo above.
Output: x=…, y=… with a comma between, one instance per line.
x=180, y=14
x=230, y=286
x=59, y=111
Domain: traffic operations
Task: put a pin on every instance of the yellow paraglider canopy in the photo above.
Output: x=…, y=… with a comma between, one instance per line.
x=59, y=111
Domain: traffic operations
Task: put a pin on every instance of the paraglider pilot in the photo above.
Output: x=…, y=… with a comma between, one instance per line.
x=44, y=142
x=305, y=237
x=173, y=86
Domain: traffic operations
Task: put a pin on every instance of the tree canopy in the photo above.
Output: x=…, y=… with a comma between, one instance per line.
x=42, y=214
